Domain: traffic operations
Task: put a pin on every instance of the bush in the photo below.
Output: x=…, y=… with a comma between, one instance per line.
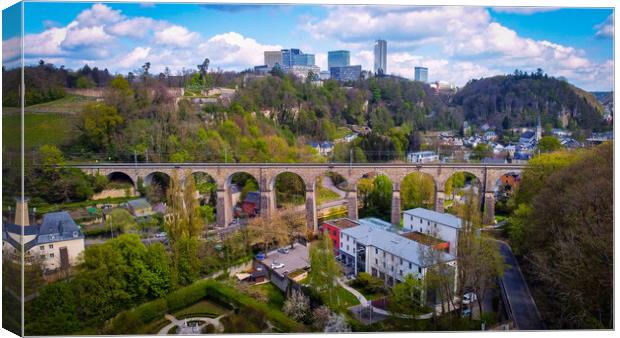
x=367, y=283
x=151, y=310
x=225, y=294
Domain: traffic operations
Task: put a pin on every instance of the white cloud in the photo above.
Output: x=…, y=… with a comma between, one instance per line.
x=463, y=40
x=524, y=10
x=77, y=37
x=97, y=15
x=136, y=57
x=178, y=36
x=234, y=51
x=606, y=28
x=137, y=27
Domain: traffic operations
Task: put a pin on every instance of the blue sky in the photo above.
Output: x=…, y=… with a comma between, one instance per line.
x=455, y=43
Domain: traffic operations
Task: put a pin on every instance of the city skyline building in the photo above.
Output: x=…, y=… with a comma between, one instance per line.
x=421, y=74
x=344, y=74
x=272, y=58
x=380, y=66
x=295, y=57
x=338, y=58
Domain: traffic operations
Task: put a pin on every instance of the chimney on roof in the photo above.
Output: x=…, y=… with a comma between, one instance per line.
x=22, y=217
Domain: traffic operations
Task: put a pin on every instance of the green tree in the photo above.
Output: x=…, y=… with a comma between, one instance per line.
x=417, y=191
x=84, y=82
x=405, y=298
x=548, y=144
x=565, y=236
x=324, y=270
x=98, y=123
x=53, y=312
x=120, y=220
x=481, y=151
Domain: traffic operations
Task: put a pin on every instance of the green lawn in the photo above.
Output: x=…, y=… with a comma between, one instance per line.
x=275, y=297
x=203, y=308
x=342, y=132
x=325, y=195
x=39, y=129
x=342, y=300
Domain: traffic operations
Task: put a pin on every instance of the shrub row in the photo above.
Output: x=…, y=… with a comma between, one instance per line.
x=130, y=321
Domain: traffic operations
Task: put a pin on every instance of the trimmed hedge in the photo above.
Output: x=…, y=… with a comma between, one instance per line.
x=187, y=296
x=221, y=293
x=151, y=310
x=130, y=321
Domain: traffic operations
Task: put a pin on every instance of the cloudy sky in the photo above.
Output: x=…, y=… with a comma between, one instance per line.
x=455, y=43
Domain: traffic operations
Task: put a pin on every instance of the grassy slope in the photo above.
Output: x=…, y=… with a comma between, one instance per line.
x=39, y=129
x=45, y=123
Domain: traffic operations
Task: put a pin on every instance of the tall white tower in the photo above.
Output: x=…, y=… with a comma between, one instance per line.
x=380, y=57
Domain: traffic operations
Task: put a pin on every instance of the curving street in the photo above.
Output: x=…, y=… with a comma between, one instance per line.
x=524, y=311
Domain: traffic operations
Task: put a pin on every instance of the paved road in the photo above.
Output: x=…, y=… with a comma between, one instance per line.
x=525, y=313
x=329, y=184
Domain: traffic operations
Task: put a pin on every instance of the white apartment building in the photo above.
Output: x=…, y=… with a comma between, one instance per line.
x=422, y=157
x=440, y=225
x=388, y=255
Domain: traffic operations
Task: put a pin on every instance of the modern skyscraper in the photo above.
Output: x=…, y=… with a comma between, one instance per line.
x=273, y=57
x=380, y=57
x=295, y=57
x=338, y=58
x=421, y=74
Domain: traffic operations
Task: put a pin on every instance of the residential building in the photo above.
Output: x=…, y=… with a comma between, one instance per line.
x=528, y=138
x=272, y=58
x=140, y=208
x=421, y=74
x=422, y=157
x=388, y=255
x=251, y=203
x=333, y=228
x=324, y=148
x=345, y=73
x=56, y=243
x=380, y=66
x=338, y=58
x=440, y=225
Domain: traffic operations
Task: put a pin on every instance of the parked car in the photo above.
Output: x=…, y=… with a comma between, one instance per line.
x=161, y=235
x=260, y=256
x=466, y=312
x=469, y=298
x=283, y=250
x=276, y=265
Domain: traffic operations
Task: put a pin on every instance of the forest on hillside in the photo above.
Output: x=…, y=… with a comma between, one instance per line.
x=272, y=118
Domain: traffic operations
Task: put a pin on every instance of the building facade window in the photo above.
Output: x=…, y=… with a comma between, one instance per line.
x=42, y=247
x=51, y=255
x=51, y=246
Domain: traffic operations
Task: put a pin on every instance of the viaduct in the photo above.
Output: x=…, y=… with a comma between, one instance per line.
x=266, y=173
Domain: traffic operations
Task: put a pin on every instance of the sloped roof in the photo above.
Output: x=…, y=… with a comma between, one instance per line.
x=434, y=216
x=395, y=244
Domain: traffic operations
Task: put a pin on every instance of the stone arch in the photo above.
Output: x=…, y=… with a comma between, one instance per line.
x=384, y=207
x=234, y=199
x=155, y=175
x=291, y=175
x=121, y=176
x=423, y=176
x=478, y=184
x=201, y=179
